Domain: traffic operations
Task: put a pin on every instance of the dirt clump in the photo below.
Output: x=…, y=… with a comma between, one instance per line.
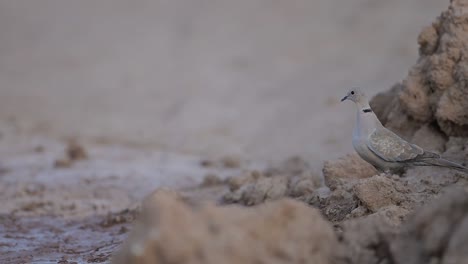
x=261, y=190
x=227, y=162
x=353, y=188
x=235, y=183
x=348, y=168
x=379, y=191
x=171, y=231
x=76, y=151
x=437, y=233
x=338, y=205
x=435, y=89
x=124, y=216
x=73, y=152
x=292, y=178
x=366, y=239
x=211, y=180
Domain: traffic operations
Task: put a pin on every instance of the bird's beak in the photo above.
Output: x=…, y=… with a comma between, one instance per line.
x=344, y=98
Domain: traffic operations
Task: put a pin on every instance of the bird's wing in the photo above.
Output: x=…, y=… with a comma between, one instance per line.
x=390, y=147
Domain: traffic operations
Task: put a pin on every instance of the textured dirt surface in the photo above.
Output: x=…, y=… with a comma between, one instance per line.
x=169, y=231
x=435, y=90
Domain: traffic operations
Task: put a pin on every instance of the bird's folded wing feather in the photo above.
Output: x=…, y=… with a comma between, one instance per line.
x=390, y=147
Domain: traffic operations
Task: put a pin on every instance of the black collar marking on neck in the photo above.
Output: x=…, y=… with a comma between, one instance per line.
x=367, y=110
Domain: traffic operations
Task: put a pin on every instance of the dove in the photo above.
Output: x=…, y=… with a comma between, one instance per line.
x=382, y=148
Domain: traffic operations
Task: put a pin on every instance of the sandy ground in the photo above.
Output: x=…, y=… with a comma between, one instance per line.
x=162, y=94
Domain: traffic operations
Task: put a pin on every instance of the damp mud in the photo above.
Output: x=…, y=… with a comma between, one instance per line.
x=95, y=201
x=64, y=200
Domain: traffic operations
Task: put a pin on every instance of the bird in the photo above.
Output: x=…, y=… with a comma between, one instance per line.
x=384, y=149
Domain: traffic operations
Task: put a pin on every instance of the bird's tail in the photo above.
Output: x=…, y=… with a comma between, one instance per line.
x=440, y=162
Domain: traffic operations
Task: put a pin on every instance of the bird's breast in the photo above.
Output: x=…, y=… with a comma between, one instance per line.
x=364, y=126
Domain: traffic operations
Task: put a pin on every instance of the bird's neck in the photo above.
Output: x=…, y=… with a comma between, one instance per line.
x=366, y=120
x=363, y=105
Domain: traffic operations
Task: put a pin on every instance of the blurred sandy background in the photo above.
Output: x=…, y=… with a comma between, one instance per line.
x=251, y=77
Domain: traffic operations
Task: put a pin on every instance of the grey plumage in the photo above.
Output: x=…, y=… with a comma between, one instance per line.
x=382, y=148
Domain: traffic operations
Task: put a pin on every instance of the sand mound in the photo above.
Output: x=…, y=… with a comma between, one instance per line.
x=285, y=231
x=293, y=178
x=436, y=88
x=171, y=231
x=435, y=234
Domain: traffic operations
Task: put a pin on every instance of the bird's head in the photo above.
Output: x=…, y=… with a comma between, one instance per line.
x=355, y=95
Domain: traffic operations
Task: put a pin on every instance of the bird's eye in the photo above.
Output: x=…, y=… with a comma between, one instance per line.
x=352, y=92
